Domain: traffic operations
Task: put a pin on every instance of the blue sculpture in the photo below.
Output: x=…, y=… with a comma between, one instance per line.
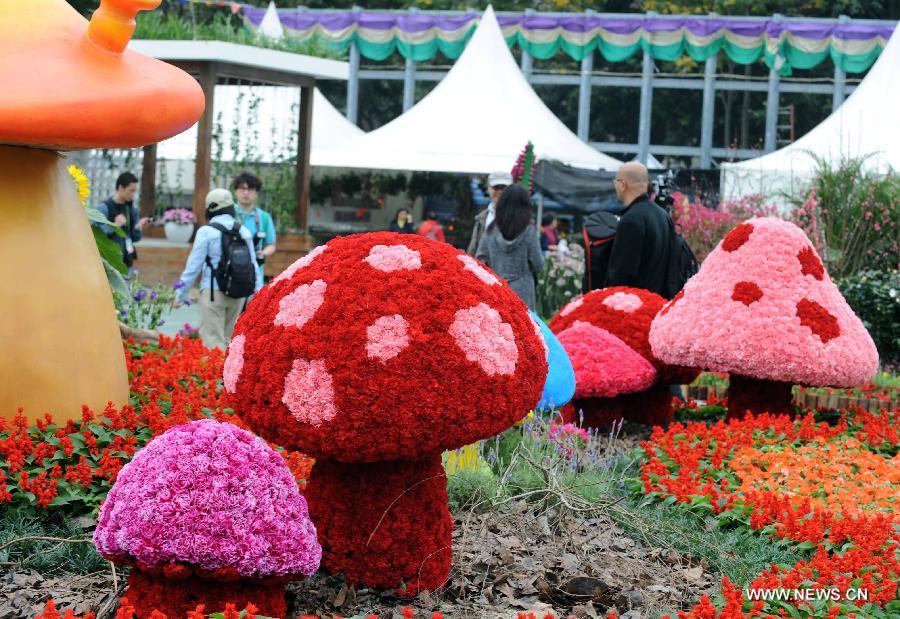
x=560, y=385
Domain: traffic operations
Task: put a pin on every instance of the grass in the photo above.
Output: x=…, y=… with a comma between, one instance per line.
x=45, y=556
x=602, y=480
x=168, y=26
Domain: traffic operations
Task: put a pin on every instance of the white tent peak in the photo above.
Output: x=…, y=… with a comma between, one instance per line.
x=477, y=119
x=270, y=26
x=274, y=118
x=865, y=125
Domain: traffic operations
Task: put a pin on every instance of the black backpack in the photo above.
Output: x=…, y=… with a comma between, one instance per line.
x=599, y=232
x=682, y=262
x=236, y=271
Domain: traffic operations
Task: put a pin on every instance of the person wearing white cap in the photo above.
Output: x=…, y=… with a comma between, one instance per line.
x=497, y=182
x=219, y=309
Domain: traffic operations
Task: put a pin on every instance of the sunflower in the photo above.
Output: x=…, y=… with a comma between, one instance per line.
x=83, y=183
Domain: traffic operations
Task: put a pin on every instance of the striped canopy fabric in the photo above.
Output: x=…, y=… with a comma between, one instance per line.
x=801, y=43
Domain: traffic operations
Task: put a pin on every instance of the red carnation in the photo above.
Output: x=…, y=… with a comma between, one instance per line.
x=374, y=354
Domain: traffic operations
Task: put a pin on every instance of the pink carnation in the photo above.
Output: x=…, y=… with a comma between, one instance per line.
x=213, y=496
x=604, y=365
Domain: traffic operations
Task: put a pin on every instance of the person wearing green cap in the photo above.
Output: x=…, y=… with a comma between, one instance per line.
x=218, y=310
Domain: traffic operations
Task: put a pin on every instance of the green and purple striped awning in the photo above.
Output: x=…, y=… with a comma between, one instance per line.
x=852, y=46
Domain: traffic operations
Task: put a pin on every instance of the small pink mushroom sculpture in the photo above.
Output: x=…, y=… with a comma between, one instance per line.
x=374, y=354
x=616, y=374
x=763, y=309
x=207, y=513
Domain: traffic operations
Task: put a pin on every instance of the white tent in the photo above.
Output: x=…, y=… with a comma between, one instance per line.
x=260, y=123
x=865, y=125
x=477, y=119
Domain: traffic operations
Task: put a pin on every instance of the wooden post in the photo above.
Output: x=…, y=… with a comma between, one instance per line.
x=203, y=165
x=303, y=146
x=148, y=182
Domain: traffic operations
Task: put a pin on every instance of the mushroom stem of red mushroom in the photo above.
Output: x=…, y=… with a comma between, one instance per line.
x=756, y=396
x=383, y=524
x=177, y=597
x=652, y=407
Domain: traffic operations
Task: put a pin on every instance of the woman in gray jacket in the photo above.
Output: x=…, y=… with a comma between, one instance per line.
x=511, y=246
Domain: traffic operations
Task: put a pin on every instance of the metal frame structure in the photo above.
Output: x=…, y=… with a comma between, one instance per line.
x=587, y=79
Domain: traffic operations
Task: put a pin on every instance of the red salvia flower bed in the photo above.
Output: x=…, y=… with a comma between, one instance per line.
x=72, y=464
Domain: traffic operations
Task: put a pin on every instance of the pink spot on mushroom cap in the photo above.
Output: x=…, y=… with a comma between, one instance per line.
x=623, y=302
x=296, y=308
x=604, y=365
x=387, y=337
x=303, y=262
x=485, y=339
x=309, y=392
x=571, y=306
x=390, y=258
x=470, y=264
x=234, y=363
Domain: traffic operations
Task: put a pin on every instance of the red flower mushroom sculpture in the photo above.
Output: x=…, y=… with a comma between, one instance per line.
x=763, y=309
x=373, y=354
x=616, y=374
x=207, y=513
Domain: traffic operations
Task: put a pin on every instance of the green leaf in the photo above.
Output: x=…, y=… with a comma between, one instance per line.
x=109, y=250
x=95, y=216
x=116, y=281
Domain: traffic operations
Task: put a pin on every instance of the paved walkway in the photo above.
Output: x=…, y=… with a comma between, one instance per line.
x=175, y=321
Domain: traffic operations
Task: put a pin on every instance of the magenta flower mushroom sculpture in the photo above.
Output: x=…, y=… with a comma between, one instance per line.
x=763, y=309
x=374, y=354
x=207, y=513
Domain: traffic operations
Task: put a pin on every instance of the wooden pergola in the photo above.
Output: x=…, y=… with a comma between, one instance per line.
x=215, y=63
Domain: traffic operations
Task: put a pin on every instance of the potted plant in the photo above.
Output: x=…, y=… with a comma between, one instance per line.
x=178, y=224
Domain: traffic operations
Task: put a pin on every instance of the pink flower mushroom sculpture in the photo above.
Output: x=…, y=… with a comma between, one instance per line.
x=373, y=354
x=606, y=335
x=763, y=309
x=207, y=513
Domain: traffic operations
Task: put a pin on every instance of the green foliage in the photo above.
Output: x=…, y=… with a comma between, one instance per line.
x=560, y=281
x=45, y=556
x=220, y=26
x=875, y=297
x=852, y=215
x=363, y=189
x=143, y=307
x=473, y=489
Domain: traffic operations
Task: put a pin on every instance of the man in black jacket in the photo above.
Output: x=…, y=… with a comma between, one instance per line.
x=640, y=252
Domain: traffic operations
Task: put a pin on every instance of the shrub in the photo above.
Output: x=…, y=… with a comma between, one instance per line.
x=875, y=297
x=560, y=281
x=703, y=227
x=852, y=215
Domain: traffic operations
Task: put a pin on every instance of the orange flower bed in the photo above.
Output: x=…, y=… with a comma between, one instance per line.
x=840, y=476
x=829, y=488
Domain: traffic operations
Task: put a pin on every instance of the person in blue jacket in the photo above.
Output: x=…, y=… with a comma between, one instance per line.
x=218, y=312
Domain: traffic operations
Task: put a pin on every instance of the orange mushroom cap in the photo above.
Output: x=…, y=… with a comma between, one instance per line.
x=69, y=85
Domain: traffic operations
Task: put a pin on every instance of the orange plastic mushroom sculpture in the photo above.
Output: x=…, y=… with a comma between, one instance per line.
x=67, y=85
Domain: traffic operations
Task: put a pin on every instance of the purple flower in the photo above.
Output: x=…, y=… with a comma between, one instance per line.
x=178, y=284
x=140, y=295
x=153, y=295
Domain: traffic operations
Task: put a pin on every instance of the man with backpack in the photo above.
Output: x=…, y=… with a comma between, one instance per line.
x=644, y=236
x=225, y=259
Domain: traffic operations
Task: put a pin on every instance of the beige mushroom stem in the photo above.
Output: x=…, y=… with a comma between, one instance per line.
x=59, y=337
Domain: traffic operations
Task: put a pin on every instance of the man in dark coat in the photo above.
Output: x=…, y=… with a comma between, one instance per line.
x=640, y=252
